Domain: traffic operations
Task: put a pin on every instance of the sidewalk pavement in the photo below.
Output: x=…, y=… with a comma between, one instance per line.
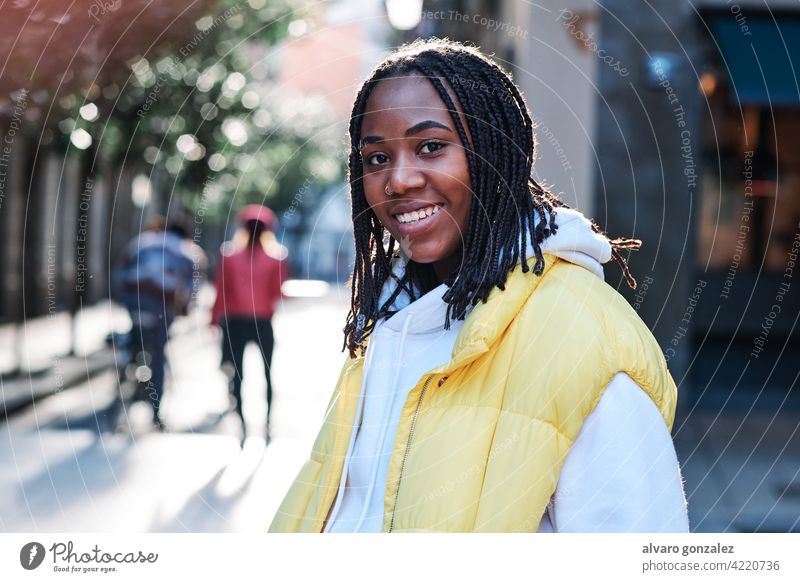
x=61, y=475
x=741, y=470
x=42, y=347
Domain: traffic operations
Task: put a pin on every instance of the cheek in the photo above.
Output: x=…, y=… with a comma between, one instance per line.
x=462, y=219
x=466, y=213
x=460, y=185
x=463, y=203
x=373, y=196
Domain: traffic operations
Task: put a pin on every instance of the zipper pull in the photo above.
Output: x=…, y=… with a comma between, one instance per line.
x=442, y=380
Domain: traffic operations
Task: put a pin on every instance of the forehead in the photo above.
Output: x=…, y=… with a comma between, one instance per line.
x=403, y=101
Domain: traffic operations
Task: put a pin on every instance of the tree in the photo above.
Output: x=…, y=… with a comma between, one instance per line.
x=206, y=112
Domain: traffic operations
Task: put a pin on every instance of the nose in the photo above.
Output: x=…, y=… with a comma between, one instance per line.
x=405, y=177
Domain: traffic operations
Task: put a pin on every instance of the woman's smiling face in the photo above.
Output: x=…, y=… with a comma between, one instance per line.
x=411, y=149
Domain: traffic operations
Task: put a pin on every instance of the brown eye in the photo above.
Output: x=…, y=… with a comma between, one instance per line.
x=433, y=147
x=377, y=159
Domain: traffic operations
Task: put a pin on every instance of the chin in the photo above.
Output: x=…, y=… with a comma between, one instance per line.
x=421, y=255
x=423, y=260
x=428, y=259
x=424, y=251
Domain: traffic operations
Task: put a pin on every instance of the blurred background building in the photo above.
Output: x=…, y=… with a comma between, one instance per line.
x=652, y=118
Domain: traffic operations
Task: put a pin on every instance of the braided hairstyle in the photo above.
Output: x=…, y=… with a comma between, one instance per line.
x=500, y=161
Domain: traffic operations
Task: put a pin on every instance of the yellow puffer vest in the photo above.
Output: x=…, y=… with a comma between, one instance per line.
x=482, y=439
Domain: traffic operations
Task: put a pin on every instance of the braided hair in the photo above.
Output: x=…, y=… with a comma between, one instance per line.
x=500, y=162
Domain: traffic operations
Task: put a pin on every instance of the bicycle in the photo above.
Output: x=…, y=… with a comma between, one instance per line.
x=134, y=355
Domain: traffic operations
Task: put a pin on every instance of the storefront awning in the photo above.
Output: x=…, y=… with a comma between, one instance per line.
x=761, y=53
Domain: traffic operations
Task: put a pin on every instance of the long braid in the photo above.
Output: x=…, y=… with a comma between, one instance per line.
x=508, y=204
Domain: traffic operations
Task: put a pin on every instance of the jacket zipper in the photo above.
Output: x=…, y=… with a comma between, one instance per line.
x=408, y=448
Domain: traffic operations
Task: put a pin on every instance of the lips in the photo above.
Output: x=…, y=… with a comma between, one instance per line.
x=415, y=219
x=416, y=215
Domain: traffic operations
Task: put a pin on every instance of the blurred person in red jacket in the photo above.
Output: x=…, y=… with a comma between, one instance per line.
x=249, y=276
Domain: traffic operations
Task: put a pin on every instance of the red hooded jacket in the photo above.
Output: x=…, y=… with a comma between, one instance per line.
x=248, y=284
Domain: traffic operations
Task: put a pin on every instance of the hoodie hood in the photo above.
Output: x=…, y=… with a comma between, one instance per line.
x=574, y=241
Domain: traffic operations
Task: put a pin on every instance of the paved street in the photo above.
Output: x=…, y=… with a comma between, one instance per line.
x=59, y=475
x=742, y=471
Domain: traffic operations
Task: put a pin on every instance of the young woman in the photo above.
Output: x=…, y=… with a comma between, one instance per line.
x=248, y=286
x=495, y=382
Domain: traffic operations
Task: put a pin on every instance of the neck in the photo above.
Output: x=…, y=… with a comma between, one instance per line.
x=446, y=267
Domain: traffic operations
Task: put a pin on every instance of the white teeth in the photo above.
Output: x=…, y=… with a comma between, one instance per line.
x=416, y=215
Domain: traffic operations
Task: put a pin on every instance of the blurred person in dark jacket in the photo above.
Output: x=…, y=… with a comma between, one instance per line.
x=155, y=283
x=249, y=276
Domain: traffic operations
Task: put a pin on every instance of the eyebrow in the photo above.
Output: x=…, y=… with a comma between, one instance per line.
x=421, y=126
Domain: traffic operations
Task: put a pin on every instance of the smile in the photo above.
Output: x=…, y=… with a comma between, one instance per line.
x=420, y=215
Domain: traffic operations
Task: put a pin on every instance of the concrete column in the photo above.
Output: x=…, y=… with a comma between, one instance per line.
x=557, y=73
x=99, y=235
x=13, y=220
x=648, y=148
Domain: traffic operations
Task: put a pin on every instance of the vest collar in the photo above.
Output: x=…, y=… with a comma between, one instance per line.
x=488, y=321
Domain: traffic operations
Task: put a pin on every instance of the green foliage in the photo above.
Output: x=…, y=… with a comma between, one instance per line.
x=208, y=113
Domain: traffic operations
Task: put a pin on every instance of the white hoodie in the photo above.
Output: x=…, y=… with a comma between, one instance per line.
x=621, y=473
